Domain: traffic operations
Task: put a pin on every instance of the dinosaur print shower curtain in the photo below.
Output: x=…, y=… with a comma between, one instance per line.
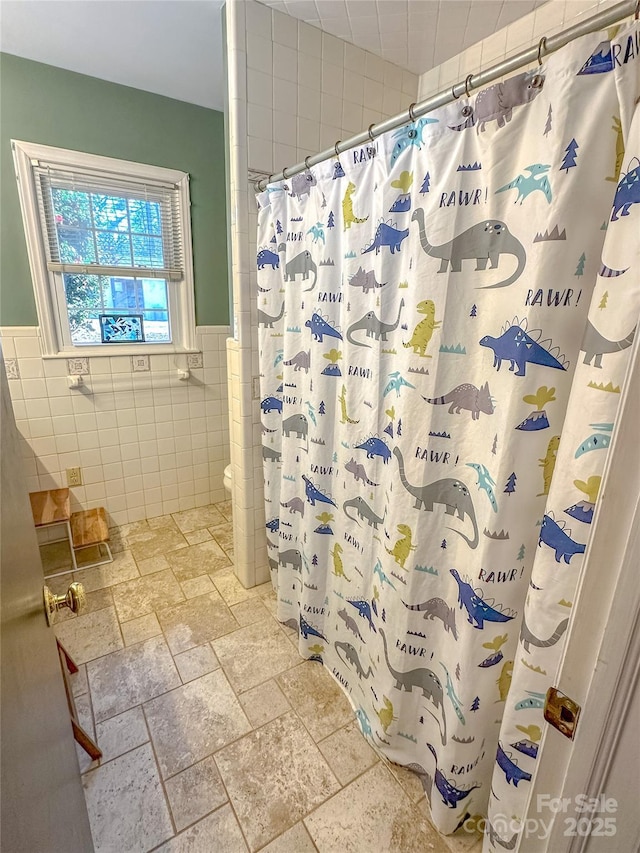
x=445, y=317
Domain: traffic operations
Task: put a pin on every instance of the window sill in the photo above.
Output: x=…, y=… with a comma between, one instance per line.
x=116, y=350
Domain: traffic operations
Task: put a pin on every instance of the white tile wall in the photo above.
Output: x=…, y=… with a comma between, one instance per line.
x=148, y=444
x=546, y=20
x=305, y=89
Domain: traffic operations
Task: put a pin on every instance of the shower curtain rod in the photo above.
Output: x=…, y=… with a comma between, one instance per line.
x=473, y=81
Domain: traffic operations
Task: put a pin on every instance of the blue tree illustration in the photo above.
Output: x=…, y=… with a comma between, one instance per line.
x=570, y=156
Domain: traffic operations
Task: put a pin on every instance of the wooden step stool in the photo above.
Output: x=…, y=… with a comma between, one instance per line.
x=89, y=529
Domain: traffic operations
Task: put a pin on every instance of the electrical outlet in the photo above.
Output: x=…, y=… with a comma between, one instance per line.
x=74, y=476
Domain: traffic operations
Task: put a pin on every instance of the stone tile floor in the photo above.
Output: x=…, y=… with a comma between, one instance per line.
x=216, y=736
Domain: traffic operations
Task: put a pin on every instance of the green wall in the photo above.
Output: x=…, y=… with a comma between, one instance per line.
x=50, y=106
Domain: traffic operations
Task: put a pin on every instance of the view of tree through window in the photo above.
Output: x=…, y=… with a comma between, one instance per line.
x=114, y=231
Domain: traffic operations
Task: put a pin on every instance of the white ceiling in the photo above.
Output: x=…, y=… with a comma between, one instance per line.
x=174, y=47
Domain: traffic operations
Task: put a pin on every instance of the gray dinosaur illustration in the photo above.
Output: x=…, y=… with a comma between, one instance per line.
x=365, y=280
x=292, y=558
x=466, y=396
x=374, y=327
x=300, y=361
x=302, y=264
x=437, y=608
x=267, y=320
x=363, y=511
x=518, y=347
x=301, y=184
x=359, y=472
x=350, y=623
x=351, y=657
x=270, y=455
x=528, y=638
x=484, y=243
x=453, y=494
x=496, y=103
x=294, y=505
x=594, y=345
x=297, y=424
x=421, y=678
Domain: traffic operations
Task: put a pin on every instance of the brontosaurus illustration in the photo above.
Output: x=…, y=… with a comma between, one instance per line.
x=374, y=327
x=267, y=320
x=454, y=494
x=528, y=638
x=421, y=678
x=483, y=242
x=351, y=657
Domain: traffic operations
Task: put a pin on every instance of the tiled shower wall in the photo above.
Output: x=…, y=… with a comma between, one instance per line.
x=147, y=442
x=292, y=90
x=546, y=20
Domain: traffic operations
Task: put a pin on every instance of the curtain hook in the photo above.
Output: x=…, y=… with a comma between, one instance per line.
x=306, y=161
x=542, y=45
x=410, y=111
x=335, y=148
x=467, y=83
x=637, y=12
x=284, y=172
x=370, y=131
x=453, y=92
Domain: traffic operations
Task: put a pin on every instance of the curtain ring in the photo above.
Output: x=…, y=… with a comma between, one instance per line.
x=453, y=92
x=410, y=111
x=636, y=15
x=370, y=131
x=542, y=45
x=467, y=83
x=335, y=147
x=306, y=161
x=284, y=172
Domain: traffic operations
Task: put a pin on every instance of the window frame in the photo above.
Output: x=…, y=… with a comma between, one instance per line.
x=47, y=288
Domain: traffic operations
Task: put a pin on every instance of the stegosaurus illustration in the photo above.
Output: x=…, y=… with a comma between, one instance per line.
x=521, y=347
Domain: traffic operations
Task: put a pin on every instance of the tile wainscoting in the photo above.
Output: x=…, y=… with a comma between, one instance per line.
x=148, y=443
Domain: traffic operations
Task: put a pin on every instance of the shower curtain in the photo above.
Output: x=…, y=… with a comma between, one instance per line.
x=445, y=319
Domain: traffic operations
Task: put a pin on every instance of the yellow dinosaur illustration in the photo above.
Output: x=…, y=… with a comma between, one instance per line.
x=424, y=330
x=338, y=568
x=504, y=681
x=348, y=215
x=617, y=128
x=385, y=715
x=342, y=399
x=403, y=546
x=548, y=463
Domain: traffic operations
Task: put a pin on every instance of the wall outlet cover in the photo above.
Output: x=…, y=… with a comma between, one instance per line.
x=194, y=360
x=74, y=476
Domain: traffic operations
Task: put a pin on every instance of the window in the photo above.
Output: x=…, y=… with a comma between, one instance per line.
x=109, y=246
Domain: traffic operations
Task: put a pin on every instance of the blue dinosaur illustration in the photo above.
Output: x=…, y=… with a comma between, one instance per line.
x=395, y=383
x=273, y=524
x=485, y=481
x=627, y=193
x=451, y=693
x=317, y=231
x=451, y=795
x=375, y=447
x=377, y=570
x=518, y=347
x=387, y=235
x=477, y=609
x=526, y=184
x=314, y=494
x=511, y=770
x=364, y=609
x=271, y=404
x=410, y=134
x=308, y=630
x=363, y=720
x=267, y=258
x=319, y=328
x=554, y=536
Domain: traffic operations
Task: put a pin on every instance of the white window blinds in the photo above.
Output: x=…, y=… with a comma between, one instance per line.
x=100, y=223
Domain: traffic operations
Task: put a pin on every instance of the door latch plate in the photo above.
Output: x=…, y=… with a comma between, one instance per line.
x=561, y=712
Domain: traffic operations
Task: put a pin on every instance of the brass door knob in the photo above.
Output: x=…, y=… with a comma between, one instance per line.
x=75, y=600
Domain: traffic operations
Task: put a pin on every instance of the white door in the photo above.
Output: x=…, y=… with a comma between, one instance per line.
x=600, y=670
x=42, y=804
